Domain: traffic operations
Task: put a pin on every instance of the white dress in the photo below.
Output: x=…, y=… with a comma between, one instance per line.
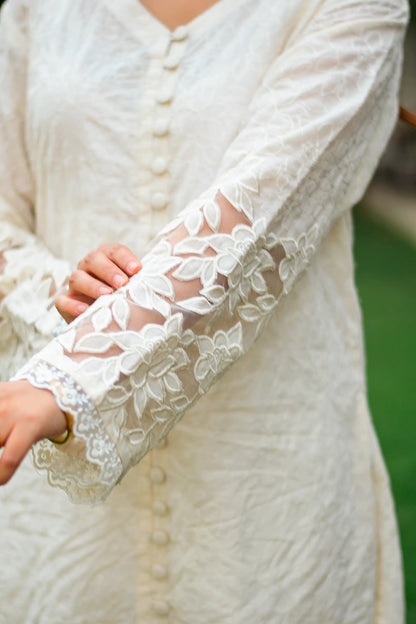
x=268, y=503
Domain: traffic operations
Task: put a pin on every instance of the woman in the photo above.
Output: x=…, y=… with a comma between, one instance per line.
x=231, y=148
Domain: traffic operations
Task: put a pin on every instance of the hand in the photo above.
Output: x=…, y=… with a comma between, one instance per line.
x=99, y=273
x=27, y=415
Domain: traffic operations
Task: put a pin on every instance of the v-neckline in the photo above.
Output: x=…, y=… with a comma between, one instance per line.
x=199, y=17
x=134, y=15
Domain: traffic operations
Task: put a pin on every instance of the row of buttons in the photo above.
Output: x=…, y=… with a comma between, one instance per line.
x=159, y=201
x=159, y=536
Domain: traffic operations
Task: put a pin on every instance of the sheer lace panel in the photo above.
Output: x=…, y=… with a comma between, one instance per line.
x=201, y=298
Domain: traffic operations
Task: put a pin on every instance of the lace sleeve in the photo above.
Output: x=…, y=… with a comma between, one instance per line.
x=131, y=366
x=30, y=276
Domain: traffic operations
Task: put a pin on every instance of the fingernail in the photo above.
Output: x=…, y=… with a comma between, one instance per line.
x=118, y=281
x=132, y=267
x=81, y=308
x=104, y=290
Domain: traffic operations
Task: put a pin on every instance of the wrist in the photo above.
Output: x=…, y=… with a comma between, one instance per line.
x=64, y=437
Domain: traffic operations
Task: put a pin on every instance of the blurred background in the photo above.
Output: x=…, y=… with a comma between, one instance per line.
x=385, y=252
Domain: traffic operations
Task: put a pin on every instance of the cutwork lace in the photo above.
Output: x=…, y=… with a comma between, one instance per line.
x=150, y=350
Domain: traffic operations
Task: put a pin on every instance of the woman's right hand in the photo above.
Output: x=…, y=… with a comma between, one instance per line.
x=100, y=273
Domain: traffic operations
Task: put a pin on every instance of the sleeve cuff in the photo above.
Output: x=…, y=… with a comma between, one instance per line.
x=87, y=466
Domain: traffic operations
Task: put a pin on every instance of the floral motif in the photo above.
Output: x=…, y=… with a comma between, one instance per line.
x=216, y=354
x=298, y=254
x=156, y=377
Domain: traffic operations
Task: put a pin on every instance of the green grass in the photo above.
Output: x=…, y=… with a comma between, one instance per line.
x=386, y=281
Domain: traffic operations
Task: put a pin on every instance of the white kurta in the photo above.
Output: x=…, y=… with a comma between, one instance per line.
x=268, y=503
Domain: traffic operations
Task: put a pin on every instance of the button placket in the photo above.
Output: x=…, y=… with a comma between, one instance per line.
x=159, y=537
x=159, y=166
x=153, y=164
x=145, y=527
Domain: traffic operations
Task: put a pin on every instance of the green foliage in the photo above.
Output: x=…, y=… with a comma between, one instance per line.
x=386, y=280
x=413, y=13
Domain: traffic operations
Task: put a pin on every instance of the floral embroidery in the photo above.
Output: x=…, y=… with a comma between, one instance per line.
x=298, y=254
x=144, y=379
x=217, y=353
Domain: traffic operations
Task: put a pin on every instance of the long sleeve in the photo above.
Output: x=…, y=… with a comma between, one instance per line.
x=30, y=276
x=130, y=367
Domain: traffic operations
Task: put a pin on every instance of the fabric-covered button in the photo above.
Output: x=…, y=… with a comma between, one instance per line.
x=180, y=33
x=161, y=127
x=159, y=201
x=161, y=607
x=159, y=571
x=165, y=95
x=161, y=538
x=160, y=508
x=171, y=62
x=157, y=475
x=174, y=56
x=159, y=165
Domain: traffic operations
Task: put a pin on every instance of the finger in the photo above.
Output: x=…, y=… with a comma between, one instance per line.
x=122, y=257
x=83, y=283
x=17, y=445
x=111, y=264
x=71, y=306
x=98, y=265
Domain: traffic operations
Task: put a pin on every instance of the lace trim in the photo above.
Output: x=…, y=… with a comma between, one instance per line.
x=87, y=467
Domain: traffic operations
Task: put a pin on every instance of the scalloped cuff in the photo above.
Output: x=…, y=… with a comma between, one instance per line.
x=87, y=466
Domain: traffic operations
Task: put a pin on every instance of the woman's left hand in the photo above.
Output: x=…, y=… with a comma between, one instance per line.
x=27, y=415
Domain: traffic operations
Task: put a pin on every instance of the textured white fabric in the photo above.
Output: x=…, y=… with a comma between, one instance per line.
x=227, y=155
